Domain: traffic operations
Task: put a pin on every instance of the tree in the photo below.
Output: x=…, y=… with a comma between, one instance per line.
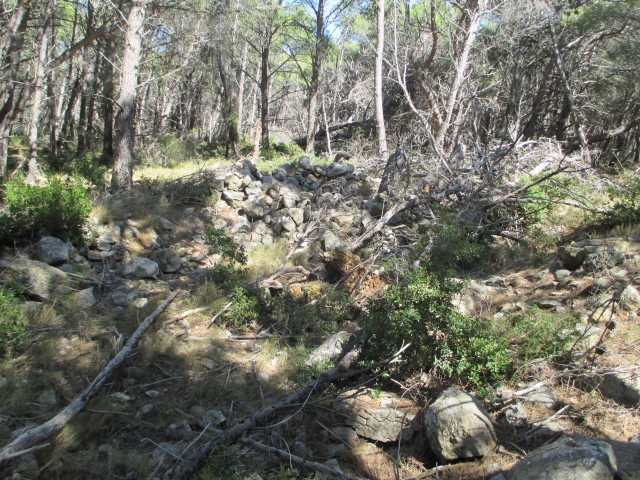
x=382, y=133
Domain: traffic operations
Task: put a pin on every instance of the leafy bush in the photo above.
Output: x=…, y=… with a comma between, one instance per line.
x=626, y=207
x=88, y=168
x=245, y=308
x=232, y=254
x=12, y=326
x=60, y=208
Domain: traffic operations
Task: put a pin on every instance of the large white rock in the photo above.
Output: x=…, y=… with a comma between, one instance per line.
x=52, y=250
x=568, y=459
x=40, y=280
x=458, y=426
x=141, y=267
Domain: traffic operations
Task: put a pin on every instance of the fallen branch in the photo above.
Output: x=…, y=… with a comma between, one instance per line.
x=28, y=450
x=542, y=423
x=38, y=434
x=233, y=434
x=183, y=315
x=219, y=313
x=300, y=461
x=240, y=338
x=255, y=377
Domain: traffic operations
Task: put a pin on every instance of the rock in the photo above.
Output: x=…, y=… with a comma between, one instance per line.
x=458, y=426
x=208, y=363
x=152, y=393
x=180, y=431
x=40, y=280
x=267, y=239
x=48, y=398
x=288, y=225
x=140, y=302
x=542, y=397
x=547, y=304
x=603, y=258
x=297, y=215
x=337, y=169
x=232, y=197
x=305, y=162
x=571, y=257
x=213, y=417
x=623, y=387
x=383, y=418
x=252, y=210
x=330, y=349
x=219, y=223
x=146, y=409
x=627, y=456
x=567, y=459
x=562, y=274
x=242, y=225
x=188, y=211
x=164, y=224
x=515, y=415
x=103, y=453
x=28, y=466
x=141, y=267
x=345, y=433
x=333, y=464
x=330, y=242
x=167, y=259
x=84, y=298
x=52, y=250
x=629, y=298
x=121, y=297
x=166, y=450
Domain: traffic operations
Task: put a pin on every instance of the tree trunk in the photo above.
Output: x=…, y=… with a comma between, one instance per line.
x=315, y=77
x=382, y=133
x=84, y=85
x=264, y=93
x=243, y=66
x=107, y=103
x=39, y=92
x=123, y=161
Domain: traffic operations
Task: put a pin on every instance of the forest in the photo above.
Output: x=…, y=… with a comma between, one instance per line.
x=281, y=239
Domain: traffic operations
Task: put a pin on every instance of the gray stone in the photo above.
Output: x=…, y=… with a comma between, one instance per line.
x=542, y=397
x=458, y=426
x=515, y=415
x=84, y=298
x=146, y=409
x=562, y=274
x=253, y=210
x=213, y=417
x=181, y=430
x=218, y=184
x=152, y=393
x=40, y=280
x=140, y=302
x=603, y=259
x=52, y=251
x=567, y=459
x=288, y=224
x=623, y=387
x=330, y=349
x=141, y=267
x=297, y=215
x=232, y=197
x=267, y=239
x=207, y=362
x=167, y=259
x=104, y=453
x=48, y=398
x=164, y=224
x=333, y=464
x=571, y=257
x=627, y=456
x=547, y=304
x=166, y=450
x=28, y=466
x=232, y=181
x=337, y=169
x=305, y=162
x=629, y=298
x=219, y=223
x=330, y=242
x=242, y=225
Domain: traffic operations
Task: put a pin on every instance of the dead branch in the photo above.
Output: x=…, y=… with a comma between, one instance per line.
x=300, y=461
x=255, y=377
x=183, y=315
x=233, y=434
x=546, y=420
x=28, y=450
x=219, y=313
x=35, y=435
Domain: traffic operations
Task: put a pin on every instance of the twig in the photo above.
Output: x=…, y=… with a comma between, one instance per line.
x=52, y=426
x=219, y=313
x=183, y=315
x=540, y=424
x=28, y=450
x=300, y=461
x=106, y=411
x=255, y=377
x=195, y=441
x=240, y=338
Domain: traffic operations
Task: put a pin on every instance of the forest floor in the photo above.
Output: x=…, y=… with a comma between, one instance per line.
x=155, y=408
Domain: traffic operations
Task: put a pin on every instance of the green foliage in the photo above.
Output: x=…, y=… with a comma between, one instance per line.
x=88, y=168
x=233, y=255
x=12, y=325
x=245, y=308
x=452, y=247
x=539, y=334
x=626, y=206
x=281, y=151
x=59, y=208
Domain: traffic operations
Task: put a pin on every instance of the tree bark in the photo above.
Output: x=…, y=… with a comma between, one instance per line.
x=107, y=102
x=243, y=66
x=315, y=77
x=84, y=85
x=382, y=133
x=122, y=177
x=40, y=76
x=264, y=94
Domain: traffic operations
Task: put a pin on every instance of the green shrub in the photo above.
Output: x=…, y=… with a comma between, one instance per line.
x=245, y=308
x=626, y=207
x=88, y=168
x=12, y=326
x=59, y=208
x=233, y=255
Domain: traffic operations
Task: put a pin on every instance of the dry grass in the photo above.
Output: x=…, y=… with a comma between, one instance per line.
x=156, y=172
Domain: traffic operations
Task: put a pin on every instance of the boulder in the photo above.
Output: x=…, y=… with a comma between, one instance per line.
x=84, y=298
x=627, y=456
x=253, y=210
x=167, y=259
x=458, y=426
x=297, y=215
x=567, y=459
x=337, y=169
x=629, y=298
x=232, y=197
x=288, y=225
x=382, y=417
x=330, y=349
x=330, y=242
x=141, y=267
x=52, y=251
x=623, y=386
x=242, y=225
x=164, y=224
x=571, y=257
x=40, y=280
x=603, y=258
x=305, y=162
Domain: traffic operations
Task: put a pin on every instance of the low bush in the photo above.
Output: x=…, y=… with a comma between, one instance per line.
x=59, y=208
x=234, y=256
x=626, y=206
x=12, y=325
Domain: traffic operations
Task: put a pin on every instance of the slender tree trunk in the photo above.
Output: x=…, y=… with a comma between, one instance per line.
x=108, y=93
x=254, y=105
x=264, y=94
x=123, y=161
x=84, y=98
x=243, y=66
x=67, y=130
x=39, y=92
x=92, y=103
x=382, y=133
x=53, y=109
x=315, y=77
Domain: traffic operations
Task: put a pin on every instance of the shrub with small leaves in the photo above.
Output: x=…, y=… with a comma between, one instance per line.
x=233, y=255
x=12, y=325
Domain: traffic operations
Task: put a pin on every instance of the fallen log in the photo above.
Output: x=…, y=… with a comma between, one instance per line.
x=185, y=469
x=38, y=434
x=183, y=315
